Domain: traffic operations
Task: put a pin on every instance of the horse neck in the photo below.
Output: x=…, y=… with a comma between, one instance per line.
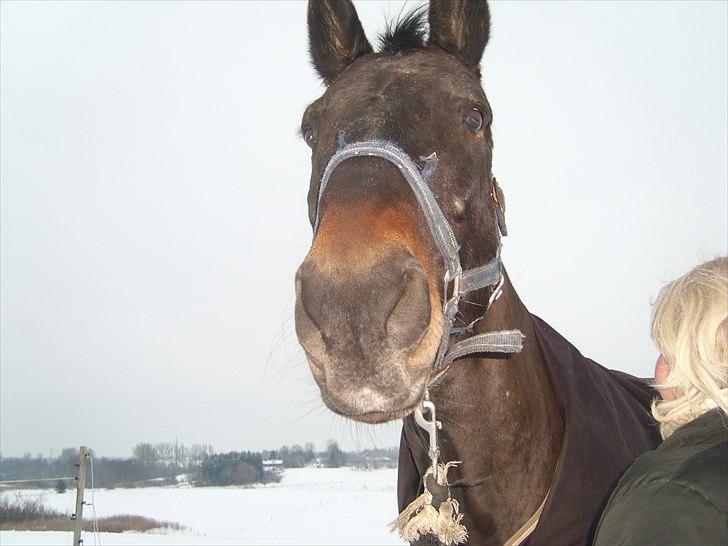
x=501, y=419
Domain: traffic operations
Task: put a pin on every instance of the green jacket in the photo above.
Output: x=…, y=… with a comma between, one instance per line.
x=676, y=494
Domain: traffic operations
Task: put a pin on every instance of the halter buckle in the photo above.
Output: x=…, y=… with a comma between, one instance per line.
x=454, y=296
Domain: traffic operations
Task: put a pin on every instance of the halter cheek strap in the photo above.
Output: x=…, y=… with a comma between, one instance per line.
x=457, y=282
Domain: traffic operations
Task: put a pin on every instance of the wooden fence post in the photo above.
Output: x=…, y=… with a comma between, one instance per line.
x=80, y=485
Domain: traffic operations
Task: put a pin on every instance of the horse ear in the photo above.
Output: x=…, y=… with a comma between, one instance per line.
x=335, y=36
x=460, y=27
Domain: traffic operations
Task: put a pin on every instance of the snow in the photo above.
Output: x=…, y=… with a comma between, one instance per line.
x=310, y=506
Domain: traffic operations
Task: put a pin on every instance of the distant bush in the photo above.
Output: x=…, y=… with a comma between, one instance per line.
x=335, y=458
x=25, y=510
x=129, y=522
x=61, y=486
x=272, y=475
x=32, y=515
x=234, y=468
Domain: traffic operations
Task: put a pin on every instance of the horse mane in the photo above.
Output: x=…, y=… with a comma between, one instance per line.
x=408, y=31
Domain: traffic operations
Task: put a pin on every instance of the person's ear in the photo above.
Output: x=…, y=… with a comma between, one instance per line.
x=662, y=370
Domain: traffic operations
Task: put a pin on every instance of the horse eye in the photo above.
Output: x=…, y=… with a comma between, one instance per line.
x=309, y=137
x=474, y=120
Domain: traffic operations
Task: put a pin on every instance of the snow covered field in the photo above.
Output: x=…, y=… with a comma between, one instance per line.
x=310, y=506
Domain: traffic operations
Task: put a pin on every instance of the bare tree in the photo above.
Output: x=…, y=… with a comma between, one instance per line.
x=146, y=454
x=165, y=452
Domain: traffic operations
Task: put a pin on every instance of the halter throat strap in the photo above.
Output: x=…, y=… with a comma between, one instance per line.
x=457, y=282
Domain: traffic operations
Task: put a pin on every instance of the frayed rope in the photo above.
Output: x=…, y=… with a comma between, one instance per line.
x=421, y=517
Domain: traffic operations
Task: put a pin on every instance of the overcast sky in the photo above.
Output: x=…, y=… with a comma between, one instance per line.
x=153, y=203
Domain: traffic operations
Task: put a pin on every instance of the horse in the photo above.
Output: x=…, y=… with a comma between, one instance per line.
x=404, y=208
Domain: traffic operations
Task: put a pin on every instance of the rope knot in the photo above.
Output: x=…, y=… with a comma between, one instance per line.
x=421, y=517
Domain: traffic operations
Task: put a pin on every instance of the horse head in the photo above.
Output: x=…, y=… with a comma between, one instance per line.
x=369, y=294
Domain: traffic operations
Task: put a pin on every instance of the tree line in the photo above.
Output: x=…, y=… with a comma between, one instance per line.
x=167, y=463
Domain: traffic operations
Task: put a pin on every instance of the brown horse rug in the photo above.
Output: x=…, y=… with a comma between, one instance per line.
x=607, y=424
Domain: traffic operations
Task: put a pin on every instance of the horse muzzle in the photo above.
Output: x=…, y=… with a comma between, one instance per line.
x=364, y=332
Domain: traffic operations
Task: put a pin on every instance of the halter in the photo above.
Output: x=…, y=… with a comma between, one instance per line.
x=457, y=282
x=421, y=516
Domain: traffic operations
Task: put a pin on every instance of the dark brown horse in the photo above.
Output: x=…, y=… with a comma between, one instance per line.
x=369, y=306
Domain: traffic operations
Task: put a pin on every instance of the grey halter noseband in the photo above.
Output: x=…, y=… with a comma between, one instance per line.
x=462, y=282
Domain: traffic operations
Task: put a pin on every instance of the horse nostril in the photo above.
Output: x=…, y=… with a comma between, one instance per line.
x=408, y=321
x=308, y=331
x=309, y=293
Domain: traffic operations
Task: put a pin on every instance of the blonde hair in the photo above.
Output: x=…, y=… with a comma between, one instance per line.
x=690, y=328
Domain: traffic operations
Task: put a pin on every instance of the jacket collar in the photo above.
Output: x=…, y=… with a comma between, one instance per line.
x=710, y=428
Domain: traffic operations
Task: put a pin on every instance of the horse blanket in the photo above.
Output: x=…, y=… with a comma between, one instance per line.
x=607, y=424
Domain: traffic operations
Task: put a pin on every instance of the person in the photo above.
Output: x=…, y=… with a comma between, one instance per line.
x=678, y=493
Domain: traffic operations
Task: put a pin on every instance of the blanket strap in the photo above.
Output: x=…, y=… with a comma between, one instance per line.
x=527, y=528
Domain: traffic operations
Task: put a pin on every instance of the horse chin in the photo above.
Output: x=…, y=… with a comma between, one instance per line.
x=372, y=417
x=369, y=403
x=390, y=393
